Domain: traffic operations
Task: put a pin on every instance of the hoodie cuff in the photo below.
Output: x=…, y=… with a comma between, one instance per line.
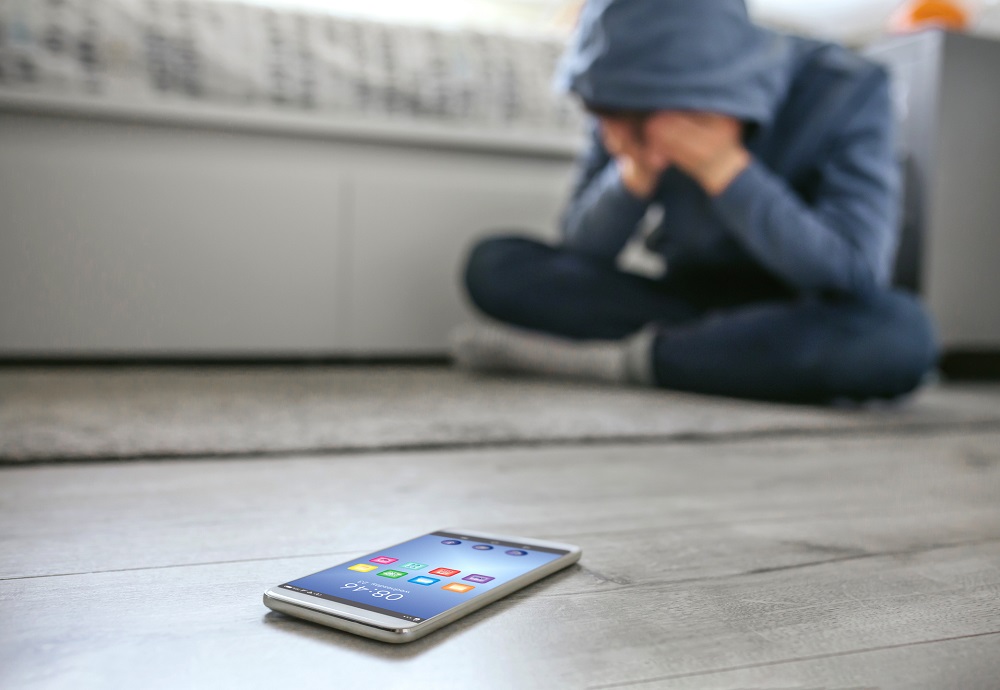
x=739, y=200
x=626, y=202
x=606, y=217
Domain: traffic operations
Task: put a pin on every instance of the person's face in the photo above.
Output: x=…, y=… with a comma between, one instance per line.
x=626, y=136
x=648, y=137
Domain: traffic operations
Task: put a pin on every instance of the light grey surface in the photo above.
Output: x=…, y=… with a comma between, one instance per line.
x=144, y=239
x=964, y=239
x=79, y=413
x=415, y=223
x=799, y=563
x=128, y=239
x=858, y=497
x=949, y=104
x=967, y=662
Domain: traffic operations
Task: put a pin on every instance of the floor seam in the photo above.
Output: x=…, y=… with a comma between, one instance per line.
x=797, y=566
x=258, y=559
x=682, y=581
x=814, y=657
x=681, y=438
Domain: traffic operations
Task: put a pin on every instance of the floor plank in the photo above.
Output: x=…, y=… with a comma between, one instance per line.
x=204, y=626
x=714, y=562
x=66, y=519
x=969, y=663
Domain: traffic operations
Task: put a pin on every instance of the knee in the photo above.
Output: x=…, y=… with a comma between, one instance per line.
x=495, y=270
x=910, y=333
x=896, y=350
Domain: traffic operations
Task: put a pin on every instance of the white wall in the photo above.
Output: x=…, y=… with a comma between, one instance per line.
x=120, y=238
x=523, y=15
x=854, y=21
x=846, y=20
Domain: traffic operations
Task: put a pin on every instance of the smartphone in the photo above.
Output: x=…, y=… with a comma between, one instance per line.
x=402, y=592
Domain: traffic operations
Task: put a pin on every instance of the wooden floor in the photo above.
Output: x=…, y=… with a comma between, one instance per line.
x=863, y=560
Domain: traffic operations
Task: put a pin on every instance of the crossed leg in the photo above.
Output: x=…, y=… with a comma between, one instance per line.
x=776, y=347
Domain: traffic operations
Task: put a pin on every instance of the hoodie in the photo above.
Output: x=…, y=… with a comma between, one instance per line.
x=817, y=209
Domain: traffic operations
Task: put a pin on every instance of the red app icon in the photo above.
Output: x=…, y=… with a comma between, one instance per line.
x=445, y=572
x=384, y=560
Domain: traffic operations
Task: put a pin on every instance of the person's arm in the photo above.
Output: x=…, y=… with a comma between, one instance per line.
x=844, y=239
x=602, y=214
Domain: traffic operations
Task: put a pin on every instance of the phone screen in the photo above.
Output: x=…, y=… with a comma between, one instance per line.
x=426, y=576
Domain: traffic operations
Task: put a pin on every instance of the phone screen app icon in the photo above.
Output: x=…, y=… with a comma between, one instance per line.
x=457, y=587
x=481, y=579
x=394, y=574
x=423, y=580
x=363, y=568
x=384, y=560
x=414, y=566
x=445, y=572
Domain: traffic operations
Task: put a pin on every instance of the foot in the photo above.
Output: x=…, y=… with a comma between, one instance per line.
x=493, y=347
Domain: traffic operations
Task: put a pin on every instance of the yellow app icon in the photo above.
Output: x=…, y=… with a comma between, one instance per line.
x=363, y=567
x=458, y=587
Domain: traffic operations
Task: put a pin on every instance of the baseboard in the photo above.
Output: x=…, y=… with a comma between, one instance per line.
x=968, y=365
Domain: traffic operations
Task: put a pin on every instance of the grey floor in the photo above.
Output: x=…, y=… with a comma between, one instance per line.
x=820, y=549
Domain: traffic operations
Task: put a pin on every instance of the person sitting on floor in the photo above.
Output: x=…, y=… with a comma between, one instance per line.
x=772, y=159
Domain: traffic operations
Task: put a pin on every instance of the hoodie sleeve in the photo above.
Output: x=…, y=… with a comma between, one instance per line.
x=844, y=239
x=602, y=215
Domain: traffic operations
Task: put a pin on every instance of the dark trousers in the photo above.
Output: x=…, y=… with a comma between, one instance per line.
x=741, y=336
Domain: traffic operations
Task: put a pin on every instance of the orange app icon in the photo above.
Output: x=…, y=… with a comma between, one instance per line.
x=458, y=587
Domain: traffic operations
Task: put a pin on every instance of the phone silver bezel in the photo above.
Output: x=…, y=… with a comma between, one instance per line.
x=390, y=629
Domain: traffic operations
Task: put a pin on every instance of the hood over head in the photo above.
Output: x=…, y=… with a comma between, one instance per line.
x=649, y=55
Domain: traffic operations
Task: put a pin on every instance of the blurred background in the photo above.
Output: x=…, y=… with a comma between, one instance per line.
x=301, y=178
x=851, y=21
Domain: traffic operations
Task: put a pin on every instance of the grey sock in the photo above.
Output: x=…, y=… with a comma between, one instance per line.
x=639, y=357
x=500, y=348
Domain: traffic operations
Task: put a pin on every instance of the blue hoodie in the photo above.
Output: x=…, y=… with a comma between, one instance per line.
x=818, y=207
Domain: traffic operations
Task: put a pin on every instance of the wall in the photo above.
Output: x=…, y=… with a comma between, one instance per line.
x=144, y=238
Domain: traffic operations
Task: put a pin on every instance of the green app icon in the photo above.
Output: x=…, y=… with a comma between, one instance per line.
x=414, y=566
x=394, y=574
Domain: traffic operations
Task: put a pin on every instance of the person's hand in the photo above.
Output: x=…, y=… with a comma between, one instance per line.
x=706, y=146
x=639, y=166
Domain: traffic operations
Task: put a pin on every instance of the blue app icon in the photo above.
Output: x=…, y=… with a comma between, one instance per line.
x=516, y=552
x=424, y=580
x=482, y=547
x=451, y=542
